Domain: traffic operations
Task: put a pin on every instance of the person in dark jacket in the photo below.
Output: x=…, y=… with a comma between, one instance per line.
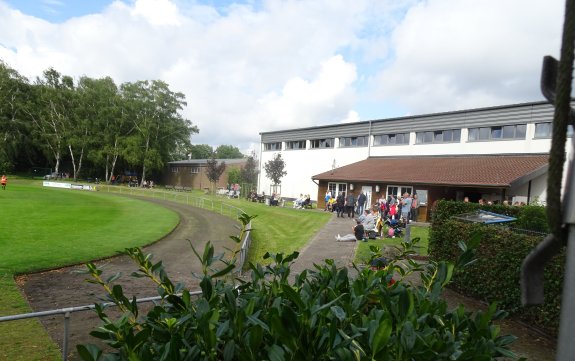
x=339, y=204
x=350, y=205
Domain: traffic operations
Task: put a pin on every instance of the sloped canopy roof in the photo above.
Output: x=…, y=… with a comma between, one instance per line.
x=502, y=170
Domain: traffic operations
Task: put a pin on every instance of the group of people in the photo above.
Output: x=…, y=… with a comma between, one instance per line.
x=393, y=211
x=404, y=208
x=345, y=203
x=302, y=202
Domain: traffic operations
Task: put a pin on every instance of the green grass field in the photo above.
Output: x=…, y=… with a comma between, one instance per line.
x=363, y=252
x=47, y=228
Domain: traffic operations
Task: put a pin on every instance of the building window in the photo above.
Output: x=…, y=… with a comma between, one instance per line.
x=295, y=144
x=194, y=170
x=353, y=142
x=399, y=191
x=335, y=188
x=273, y=146
x=321, y=143
x=175, y=169
x=438, y=136
x=504, y=132
x=391, y=139
x=545, y=130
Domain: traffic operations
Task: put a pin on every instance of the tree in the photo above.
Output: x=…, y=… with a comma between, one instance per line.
x=214, y=171
x=159, y=129
x=15, y=92
x=102, y=105
x=234, y=176
x=275, y=169
x=51, y=113
x=228, y=152
x=201, y=151
x=249, y=172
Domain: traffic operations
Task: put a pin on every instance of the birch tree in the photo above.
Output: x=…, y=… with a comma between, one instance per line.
x=158, y=127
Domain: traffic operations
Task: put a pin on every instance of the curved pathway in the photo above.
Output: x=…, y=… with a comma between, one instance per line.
x=66, y=287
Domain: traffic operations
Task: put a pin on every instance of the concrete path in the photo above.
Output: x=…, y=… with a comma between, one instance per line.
x=324, y=246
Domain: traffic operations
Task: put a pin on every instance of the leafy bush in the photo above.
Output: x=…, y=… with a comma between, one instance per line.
x=533, y=218
x=496, y=274
x=320, y=314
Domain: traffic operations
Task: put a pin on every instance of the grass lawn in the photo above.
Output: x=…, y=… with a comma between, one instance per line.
x=363, y=252
x=275, y=229
x=47, y=228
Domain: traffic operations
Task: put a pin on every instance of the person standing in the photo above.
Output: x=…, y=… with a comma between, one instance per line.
x=406, y=207
x=361, y=203
x=350, y=205
x=414, y=208
x=327, y=199
x=340, y=201
x=4, y=181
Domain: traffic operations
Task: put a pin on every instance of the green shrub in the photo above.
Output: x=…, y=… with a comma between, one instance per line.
x=533, y=218
x=322, y=314
x=496, y=274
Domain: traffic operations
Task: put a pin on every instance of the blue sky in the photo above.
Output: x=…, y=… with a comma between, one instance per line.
x=58, y=11
x=253, y=66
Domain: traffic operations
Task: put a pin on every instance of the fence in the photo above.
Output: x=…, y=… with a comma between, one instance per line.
x=223, y=209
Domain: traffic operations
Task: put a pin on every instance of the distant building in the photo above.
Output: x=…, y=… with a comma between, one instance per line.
x=192, y=173
x=497, y=153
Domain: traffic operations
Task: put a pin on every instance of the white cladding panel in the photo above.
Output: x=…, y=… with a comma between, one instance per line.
x=301, y=165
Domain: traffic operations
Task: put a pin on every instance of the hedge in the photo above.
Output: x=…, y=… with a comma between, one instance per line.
x=496, y=273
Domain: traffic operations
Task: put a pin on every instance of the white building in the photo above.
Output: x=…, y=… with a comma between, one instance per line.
x=520, y=129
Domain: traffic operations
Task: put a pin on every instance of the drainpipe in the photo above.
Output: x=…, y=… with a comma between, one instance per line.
x=260, y=172
x=529, y=192
x=369, y=141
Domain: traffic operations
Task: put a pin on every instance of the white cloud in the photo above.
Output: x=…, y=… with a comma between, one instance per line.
x=303, y=103
x=157, y=12
x=269, y=65
x=456, y=54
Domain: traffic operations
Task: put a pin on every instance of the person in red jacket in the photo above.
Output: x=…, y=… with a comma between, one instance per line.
x=4, y=181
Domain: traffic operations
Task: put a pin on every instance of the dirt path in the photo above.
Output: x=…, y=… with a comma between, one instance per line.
x=66, y=288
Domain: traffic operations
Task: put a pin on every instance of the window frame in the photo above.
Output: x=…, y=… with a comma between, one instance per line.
x=321, y=143
x=497, y=133
x=365, y=140
x=268, y=147
x=438, y=136
x=301, y=145
x=406, y=136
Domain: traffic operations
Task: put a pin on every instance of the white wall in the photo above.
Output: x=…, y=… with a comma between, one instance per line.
x=301, y=165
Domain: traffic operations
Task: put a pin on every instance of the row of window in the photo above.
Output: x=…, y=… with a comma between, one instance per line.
x=506, y=132
x=193, y=170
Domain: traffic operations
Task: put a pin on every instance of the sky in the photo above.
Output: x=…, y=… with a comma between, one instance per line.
x=255, y=66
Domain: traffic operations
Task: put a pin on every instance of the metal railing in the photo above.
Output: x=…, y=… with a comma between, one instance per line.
x=68, y=311
x=223, y=209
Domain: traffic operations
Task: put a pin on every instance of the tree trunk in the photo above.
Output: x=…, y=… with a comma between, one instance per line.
x=73, y=162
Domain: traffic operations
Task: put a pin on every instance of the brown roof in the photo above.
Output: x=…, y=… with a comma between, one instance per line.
x=468, y=170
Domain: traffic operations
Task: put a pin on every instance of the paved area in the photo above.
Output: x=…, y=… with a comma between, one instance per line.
x=530, y=343
x=324, y=246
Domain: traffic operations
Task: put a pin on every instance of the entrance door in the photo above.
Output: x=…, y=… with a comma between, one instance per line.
x=422, y=210
x=367, y=190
